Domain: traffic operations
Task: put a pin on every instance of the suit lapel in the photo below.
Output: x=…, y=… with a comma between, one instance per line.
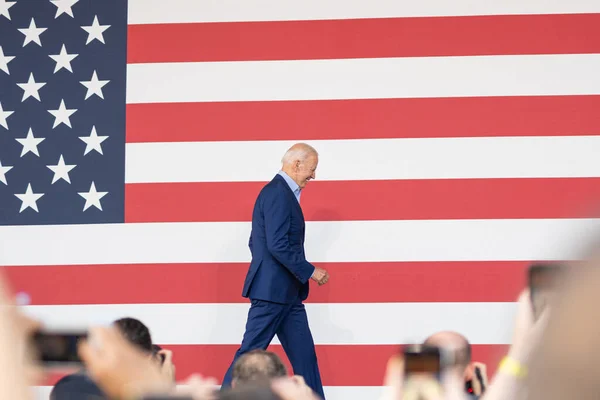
x=290, y=194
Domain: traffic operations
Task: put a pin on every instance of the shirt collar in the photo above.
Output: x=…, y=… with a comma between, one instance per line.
x=293, y=185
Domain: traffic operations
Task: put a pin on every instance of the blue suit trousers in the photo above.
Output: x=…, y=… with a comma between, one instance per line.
x=290, y=323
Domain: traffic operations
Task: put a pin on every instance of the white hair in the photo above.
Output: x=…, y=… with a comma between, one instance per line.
x=299, y=151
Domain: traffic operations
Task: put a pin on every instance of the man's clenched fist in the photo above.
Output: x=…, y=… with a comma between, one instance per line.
x=320, y=276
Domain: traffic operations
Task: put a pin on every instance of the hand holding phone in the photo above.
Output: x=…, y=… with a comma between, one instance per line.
x=423, y=368
x=478, y=384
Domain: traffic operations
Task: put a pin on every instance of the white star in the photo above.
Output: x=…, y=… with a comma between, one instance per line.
x=29, y=199
x=31, y=88
x=62, y=115
x=32, y=34
x=30, y=143
x=4, y=60
x=95, y=31
x=94, y=86
x=4, y=6
x=63, y=60
x=3, y=116
x=92, y=198
x=64, y=6
x=93, y=142
x=61, y=170
x=3, y=171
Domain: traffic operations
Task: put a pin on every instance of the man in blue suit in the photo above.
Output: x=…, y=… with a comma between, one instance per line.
x=277, y=279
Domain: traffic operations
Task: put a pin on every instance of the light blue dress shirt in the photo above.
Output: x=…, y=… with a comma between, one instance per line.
x=293, y=185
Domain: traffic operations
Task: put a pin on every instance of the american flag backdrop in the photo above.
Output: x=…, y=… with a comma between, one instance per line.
x=458, y=141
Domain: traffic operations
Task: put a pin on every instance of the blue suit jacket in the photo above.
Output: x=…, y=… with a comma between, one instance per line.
x=278, y=271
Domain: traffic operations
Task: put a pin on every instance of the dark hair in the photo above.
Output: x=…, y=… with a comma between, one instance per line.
x=135, y=332
x=258, y=365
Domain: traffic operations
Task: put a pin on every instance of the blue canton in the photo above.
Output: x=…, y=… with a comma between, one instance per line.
x=62, y=112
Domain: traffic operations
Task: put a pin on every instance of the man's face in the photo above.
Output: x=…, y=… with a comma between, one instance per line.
x=305, y=170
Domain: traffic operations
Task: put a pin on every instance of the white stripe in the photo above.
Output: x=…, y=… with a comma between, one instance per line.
x=370, y=159
x=173, y=11
x=364, y=78
x=331, y=324
x=331, y=392
x=354, y=392
x=42, y=392
x=420, y=240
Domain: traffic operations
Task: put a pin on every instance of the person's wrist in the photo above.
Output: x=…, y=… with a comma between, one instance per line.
x=512, y=366
x=521, y=352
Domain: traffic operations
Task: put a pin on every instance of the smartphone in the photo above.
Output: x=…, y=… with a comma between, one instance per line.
x=422, y=360
x=469, y=387
x=423, y=367
x=57, y=349
x=543, y=280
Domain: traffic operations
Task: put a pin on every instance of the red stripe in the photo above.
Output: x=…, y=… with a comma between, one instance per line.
x=364, y=38
x=466, y=281
x=340, y=365
x=364, y=119
x=371, y=200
